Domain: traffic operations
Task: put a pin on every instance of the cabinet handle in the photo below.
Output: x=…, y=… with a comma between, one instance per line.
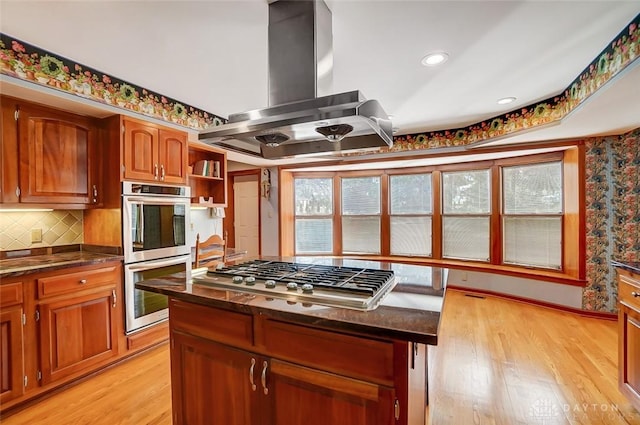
x=155, y=171
x=264, y=377
x=253, y=384
x=113, y=294
x=83, y=281
x=162, y=172
x=635, y=294
x=95, y=194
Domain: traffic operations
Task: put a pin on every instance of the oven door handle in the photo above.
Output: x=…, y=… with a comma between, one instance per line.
x=154, y=201
x=147, y=265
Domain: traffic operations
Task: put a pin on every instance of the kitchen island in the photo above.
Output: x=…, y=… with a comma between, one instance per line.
x=247, y=358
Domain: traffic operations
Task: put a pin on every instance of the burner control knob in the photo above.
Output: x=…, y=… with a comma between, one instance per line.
x=307, y=288
x=237, y=279
x=270, y=284
x=250, y=280
x=292, y=286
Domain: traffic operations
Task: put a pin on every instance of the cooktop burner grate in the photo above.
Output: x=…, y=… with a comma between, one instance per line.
x=309, y=284
x=340, y=279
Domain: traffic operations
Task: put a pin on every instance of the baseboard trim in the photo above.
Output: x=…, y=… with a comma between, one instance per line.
x=586, y=313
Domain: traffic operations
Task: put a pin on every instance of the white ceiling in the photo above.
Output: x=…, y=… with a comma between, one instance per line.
x=213, y=54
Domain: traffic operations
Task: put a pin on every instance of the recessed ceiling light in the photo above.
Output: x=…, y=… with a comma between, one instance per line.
x=506, y=100
x=435, y=58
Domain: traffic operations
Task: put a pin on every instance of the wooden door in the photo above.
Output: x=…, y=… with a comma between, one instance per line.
x=246, y=220
x=173, y=156
x=629, y=322
x=304, y=396
x=11, y=359
x=140, y=152
x=211, y=383
x=77, y=332
x=56, y=149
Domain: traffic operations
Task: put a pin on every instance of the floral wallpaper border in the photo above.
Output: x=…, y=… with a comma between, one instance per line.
x=27, y=62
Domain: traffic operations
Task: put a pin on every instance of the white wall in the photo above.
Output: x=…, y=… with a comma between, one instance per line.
x=270, y=221
x=205, y=223
x=550, y=292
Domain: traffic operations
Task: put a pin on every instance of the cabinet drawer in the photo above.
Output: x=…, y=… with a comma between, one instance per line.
x=226, y=327
x=348, y=355
x=10, y=294
x=76, y=280
x=627, y=286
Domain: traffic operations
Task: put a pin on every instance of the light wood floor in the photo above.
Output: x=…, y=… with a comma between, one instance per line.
x=497, y=362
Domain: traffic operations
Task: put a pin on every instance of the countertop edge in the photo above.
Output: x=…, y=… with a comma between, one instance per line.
x=631, y=267
x=369, y=330
x=27, y=270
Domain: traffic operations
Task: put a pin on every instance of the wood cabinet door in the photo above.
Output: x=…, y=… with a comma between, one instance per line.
x=77, y=332
x=211, y=383
x=629, y=351
x=11, y=358
x=140, y=152
x=8, y=152
x=173, y=156
x=305, y=396
x=56, y=149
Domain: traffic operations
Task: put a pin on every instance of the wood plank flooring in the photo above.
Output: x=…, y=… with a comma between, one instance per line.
x=497, y=362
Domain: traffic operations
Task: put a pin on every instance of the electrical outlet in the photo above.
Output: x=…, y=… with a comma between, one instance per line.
x=36, y=235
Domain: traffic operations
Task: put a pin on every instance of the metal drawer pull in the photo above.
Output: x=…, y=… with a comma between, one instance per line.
x=264, y=377
x=635, y=294
x=162, y=172
x=155, y=171
x=253, y=384
x=83, y=281
x=113, y=294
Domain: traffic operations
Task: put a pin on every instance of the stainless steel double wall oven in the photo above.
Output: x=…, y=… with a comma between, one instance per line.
x=155, y=220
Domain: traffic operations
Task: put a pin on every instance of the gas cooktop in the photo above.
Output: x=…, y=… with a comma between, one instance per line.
x=348, y=287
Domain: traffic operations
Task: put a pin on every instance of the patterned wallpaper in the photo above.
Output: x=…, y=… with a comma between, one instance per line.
x=58, y=228
x=612, y=214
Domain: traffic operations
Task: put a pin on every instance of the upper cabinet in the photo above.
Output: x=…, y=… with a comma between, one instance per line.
x=207, y=175
x=152, y=153
x=49, y=156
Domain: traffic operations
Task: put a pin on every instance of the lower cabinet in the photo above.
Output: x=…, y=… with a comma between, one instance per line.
x=211, y=383
x=300, y=395
x=220, y=377
x=629, y=335
x=11, y=359
x=57, y=326
x=216, y=384
x=77, y=332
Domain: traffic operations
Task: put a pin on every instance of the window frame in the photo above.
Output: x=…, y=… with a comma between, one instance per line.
x=430, y=215
x=488, y=215
x=331, y=216
x=504, y=215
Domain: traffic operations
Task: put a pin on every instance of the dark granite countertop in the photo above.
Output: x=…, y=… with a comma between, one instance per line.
x=410, y=312
x=20, y=266
x=631, y=266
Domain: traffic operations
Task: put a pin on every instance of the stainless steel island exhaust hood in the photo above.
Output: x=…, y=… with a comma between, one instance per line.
x=298, y=122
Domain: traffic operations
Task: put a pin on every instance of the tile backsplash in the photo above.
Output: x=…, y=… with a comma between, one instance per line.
x=58, y=227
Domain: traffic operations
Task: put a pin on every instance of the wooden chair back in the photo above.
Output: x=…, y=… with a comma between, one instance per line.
x=211, y=251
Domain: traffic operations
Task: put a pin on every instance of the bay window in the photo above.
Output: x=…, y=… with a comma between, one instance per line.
x=522, y=214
